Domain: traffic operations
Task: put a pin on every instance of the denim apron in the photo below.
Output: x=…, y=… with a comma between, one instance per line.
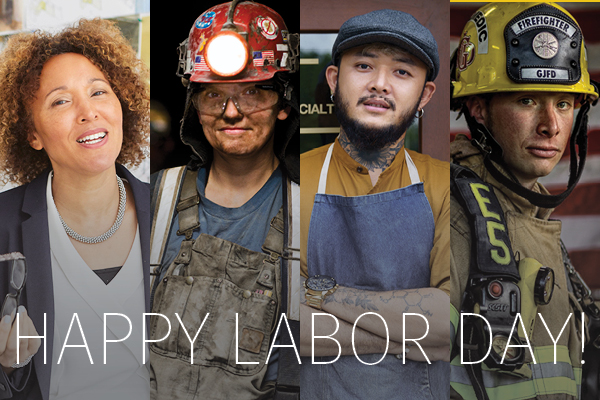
x=377, y=242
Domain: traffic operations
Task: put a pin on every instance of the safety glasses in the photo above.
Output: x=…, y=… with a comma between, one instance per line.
x=212, y=99
x=18, y=276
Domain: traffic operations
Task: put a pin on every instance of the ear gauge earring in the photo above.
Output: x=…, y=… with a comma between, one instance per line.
x=420, y=113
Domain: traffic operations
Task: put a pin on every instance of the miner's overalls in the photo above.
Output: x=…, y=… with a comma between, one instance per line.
x=229, y=283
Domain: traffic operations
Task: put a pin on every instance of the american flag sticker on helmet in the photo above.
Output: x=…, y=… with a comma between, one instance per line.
x=259, y=58
x=200, y=64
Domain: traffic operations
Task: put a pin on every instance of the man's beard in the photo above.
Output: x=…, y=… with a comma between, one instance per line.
x=371, y=138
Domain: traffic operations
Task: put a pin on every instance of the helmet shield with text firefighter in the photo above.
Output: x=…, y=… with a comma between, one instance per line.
x=236, y=42
x=523, y=47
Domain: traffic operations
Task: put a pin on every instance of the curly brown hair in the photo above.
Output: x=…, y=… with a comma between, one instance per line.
x=21, y=63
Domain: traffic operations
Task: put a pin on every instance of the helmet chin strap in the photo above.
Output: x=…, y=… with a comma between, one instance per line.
x=489, y=147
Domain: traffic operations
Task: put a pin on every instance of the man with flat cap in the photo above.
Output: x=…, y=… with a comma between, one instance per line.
x=375, y=225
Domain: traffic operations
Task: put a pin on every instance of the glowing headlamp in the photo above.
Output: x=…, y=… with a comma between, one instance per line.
x=226, y=53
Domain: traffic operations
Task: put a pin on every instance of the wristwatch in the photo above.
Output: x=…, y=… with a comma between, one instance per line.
x=317, y=288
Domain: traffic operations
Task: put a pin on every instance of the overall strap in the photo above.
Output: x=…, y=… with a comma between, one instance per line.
x=288, y=370
x=187, y=207
x=291, y=250
x=164, y=199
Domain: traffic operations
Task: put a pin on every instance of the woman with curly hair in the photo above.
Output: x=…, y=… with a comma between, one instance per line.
x=74, y=108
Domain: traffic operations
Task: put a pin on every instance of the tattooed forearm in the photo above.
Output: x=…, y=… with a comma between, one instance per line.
x=373, y=160
x=410, y=300
x=413, y=300
x=355, y=298
x=351, y=304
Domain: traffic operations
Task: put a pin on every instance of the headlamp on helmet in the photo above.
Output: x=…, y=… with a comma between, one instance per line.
x=226, y=53
x=240, y=41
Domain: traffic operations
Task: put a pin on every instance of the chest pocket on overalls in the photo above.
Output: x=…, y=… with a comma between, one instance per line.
x=215, y=277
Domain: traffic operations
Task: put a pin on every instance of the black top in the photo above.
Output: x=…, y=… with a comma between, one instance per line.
x=107, y=274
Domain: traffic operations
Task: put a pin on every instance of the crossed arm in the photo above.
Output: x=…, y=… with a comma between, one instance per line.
x=348, y=304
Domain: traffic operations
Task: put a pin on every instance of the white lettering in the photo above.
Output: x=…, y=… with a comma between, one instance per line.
x=337, y=326
x=152, y=341
x=316, y=109
x=387, y=338
x=193, y=340
x=550, y=334
x=404, y=339
x=284, y=318
x=543, y=21
x=19, y=337
x=75, y=317
x=528, y=345
x=462, y=360
x=237, y=343
x=583, y=341
x=117, y=340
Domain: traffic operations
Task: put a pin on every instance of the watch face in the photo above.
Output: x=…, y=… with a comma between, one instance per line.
x=320, y=282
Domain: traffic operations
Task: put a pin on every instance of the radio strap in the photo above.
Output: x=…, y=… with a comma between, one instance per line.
x=491, y=254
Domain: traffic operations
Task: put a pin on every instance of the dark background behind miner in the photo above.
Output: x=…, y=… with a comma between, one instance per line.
x=171, y=26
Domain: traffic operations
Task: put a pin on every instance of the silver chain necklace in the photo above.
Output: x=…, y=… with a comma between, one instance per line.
x=113, y=228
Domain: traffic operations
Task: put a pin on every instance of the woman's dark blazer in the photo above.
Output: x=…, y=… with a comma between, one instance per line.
x=24, y=228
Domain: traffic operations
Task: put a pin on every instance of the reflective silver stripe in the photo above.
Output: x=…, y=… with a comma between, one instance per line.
x=294, y=283
x=163, y=216
x=492, y=379
x=544, y=73
x=459, y=374
x=543, y=21
x=550, y=370
x=482, y=32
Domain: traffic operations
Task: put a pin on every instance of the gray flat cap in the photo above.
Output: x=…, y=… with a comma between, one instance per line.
x=393, y=27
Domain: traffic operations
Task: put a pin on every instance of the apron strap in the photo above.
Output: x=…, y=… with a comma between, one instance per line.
x=412, y=170
x=324, y=170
